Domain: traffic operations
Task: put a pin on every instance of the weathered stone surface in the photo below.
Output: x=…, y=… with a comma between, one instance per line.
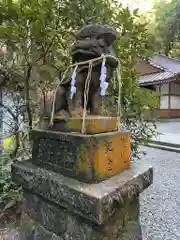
x=94, y=124
x=88, y=158
x=31, y=230
x=52, y=217
x=96, y=202
x=124, y=224
x=10, y=233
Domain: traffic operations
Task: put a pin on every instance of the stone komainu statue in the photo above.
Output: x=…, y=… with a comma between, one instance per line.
x=91, y=42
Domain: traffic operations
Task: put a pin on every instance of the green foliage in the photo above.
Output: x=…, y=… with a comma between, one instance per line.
x=10, y=194
x=131, y=45
x=165, y=28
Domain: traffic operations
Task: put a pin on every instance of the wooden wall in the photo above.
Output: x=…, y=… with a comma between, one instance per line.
x=170, y=101
x=169, y=113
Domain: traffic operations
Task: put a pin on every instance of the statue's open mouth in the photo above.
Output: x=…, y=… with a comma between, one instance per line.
x=80, y=55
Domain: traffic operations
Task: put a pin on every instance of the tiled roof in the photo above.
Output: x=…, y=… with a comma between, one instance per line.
x=165, y=62
x=156, y=77
x=170, y=68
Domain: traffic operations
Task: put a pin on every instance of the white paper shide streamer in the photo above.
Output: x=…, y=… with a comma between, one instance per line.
x=73, y=82
x=103, y=83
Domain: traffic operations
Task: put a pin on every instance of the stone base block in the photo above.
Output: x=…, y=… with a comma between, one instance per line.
x=62, y=208
x=45, y=221
x=88, y=158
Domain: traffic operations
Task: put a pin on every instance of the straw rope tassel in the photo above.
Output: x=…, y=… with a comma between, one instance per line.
x=114, y=80
x=119, y=112
x=53, y=107
x=86, y=93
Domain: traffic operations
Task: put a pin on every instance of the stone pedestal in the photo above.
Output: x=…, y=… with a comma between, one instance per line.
x=94, y=124
x=62, y=208
x=88, y=158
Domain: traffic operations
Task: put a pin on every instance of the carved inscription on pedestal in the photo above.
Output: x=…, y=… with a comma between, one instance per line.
x=58, y=152
x=108, y=150
x=124, y=144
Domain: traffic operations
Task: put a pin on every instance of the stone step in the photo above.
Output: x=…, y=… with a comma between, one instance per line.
x=164, y=147
x=168, y=144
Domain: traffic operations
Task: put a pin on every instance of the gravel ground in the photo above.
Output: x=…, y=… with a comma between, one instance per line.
x=160, y=203
x=169, y=127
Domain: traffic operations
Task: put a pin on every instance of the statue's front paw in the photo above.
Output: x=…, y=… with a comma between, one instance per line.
x=79, y=113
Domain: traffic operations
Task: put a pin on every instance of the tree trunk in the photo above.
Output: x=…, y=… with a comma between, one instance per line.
x=168, y=48
x=27, y=97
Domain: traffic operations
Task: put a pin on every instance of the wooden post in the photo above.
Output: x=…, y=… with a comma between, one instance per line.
x=160, y=100
x=169, y=100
